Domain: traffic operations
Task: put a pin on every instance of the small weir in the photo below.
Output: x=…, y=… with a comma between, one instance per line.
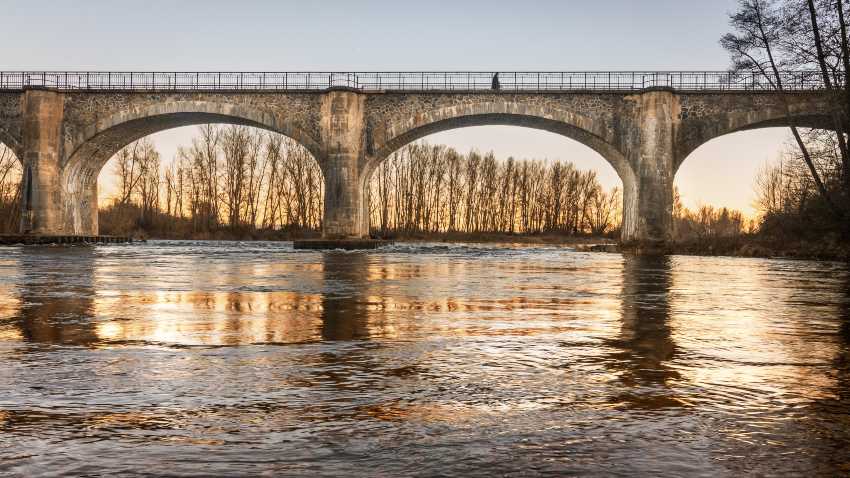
x=12, y=239
x=345, y=244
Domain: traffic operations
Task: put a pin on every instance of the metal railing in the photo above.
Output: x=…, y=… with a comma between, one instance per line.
x=405, y=81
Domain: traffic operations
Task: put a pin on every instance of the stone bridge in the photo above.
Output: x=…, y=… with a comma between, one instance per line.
x=64, y=135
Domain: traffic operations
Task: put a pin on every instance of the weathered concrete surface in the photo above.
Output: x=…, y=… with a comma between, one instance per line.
x=343, y=140
x=64, y=139
x=42, y=148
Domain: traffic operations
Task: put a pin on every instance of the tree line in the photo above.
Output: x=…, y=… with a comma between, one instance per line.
x=231, y=180
x=238, y=180
x=235, y=181
x=430, y=189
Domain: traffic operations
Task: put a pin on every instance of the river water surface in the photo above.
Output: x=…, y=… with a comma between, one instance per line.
x=224, y=358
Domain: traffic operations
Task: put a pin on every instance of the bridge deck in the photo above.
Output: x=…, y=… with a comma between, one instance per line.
x=509, y=81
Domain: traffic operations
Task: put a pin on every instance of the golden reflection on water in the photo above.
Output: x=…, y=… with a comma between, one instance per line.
x=523, y=342
x=90, y=312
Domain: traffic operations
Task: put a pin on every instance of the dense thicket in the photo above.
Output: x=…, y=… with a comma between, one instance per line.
x=788, y=198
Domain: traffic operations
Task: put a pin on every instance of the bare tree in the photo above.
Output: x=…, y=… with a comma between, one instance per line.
x=771, y=36
x=10, y=190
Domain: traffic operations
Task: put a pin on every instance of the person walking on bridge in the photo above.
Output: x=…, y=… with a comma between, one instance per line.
x=495, y=85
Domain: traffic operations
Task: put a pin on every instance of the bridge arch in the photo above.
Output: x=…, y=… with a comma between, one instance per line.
x=95, y=145
x=723, y=171
x=405, y=129
x=735, y=126
x=801, y=111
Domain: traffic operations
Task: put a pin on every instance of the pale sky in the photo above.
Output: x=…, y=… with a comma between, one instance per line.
x=400, y=35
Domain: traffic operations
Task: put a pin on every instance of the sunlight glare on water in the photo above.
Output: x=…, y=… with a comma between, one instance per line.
x=229, y=358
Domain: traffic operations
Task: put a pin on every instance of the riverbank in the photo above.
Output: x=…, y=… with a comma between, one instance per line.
x=448, y=237
x=452, y=237
x=828, y=248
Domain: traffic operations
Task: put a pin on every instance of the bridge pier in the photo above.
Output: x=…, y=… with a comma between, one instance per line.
x=648, y=197
x=42, y=147
x=343, y=142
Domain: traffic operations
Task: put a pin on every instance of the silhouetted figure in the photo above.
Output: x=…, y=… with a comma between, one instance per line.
x=496, y=84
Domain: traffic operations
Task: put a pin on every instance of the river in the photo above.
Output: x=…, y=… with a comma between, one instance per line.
x=227, y=358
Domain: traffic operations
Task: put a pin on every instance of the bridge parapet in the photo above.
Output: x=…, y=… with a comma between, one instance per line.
x=512, y=81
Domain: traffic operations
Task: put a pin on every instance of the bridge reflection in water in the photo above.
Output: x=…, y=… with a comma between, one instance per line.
x=514, y=357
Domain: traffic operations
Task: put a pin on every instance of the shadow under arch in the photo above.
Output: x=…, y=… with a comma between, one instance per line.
x=579, y=128
x=97, y=144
